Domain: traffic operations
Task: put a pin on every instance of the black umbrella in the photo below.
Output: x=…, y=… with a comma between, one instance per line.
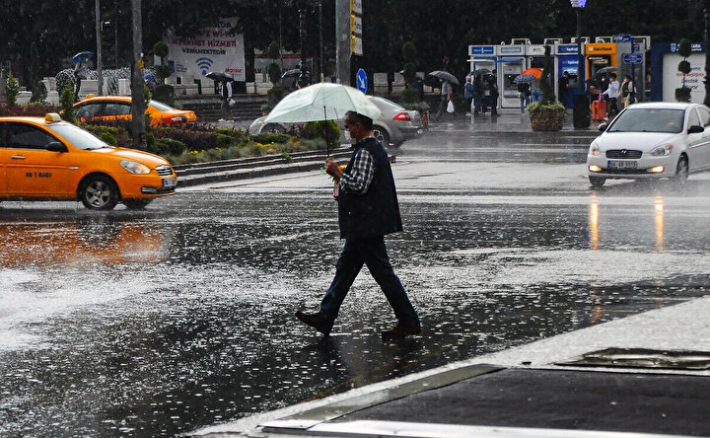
x=219, y=76
x=480, y=71
x=445, y=76
x=524, y=79
x=606, y=70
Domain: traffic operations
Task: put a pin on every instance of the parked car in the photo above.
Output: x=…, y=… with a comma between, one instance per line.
x=651, y=141
x=394, y=126
x=119, y=107
x=50, y=159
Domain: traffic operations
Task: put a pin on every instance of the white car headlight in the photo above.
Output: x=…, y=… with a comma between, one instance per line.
x=594, y=149
x=135, y=168
x=662, y=151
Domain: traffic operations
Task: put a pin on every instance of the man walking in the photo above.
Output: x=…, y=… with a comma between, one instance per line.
x=367, y=210
x=612, y=92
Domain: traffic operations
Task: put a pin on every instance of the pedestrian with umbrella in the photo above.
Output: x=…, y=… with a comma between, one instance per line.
x=447, y=79
x=367, y=211
x=225, y=91
x=81, y=70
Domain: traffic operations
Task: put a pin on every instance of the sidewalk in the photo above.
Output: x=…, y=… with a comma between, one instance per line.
x=656, y=381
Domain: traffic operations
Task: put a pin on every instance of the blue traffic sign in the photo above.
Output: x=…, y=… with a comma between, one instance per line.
x=633, y=58
x=361, y=80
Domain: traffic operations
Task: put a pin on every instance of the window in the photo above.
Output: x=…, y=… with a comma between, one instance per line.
x=704, y=116
x=22, y=136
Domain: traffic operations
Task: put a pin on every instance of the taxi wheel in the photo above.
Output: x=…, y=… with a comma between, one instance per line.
x=136, y=204
x=99, y=192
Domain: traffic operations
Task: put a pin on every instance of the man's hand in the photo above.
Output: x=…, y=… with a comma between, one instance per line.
x=333, y=169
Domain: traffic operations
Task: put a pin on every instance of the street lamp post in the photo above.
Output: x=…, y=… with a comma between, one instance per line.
x=578, y=5
x=581, y=115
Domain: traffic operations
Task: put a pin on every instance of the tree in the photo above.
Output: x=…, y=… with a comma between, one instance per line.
x=39, y=91
x=682, y=94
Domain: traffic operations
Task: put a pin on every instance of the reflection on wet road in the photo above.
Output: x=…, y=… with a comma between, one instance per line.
x=154, y=323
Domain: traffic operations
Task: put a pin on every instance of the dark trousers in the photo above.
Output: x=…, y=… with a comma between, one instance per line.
x=373, y=253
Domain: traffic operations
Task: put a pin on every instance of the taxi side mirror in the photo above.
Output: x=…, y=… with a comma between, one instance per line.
x=56, y=146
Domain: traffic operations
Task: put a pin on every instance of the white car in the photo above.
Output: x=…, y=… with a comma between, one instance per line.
x=651, y=141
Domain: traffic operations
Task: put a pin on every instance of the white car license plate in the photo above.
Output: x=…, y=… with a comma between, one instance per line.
x=169, y=182
x=621, y=164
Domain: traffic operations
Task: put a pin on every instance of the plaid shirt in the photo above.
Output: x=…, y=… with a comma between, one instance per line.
x=361, y=173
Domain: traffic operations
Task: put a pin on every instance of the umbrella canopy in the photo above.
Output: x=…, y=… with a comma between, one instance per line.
x=322, y=101
x=606, y=70
x=445, y=76
x=480, y=71
x=535, y=71
x=81, y=55
x=524, y=79
x=219, y=76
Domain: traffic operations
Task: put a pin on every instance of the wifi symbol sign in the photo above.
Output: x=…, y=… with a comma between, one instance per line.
x=204, y=64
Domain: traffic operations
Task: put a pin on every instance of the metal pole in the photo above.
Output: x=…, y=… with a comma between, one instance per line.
x=320, y=37
x=580, y=56
x=98, y=47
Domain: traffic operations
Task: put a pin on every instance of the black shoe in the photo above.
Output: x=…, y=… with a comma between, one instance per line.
x=400, y=331
x=315, y=321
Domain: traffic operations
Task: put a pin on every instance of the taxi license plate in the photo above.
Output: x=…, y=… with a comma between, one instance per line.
x=169, y=182
x=621, y=164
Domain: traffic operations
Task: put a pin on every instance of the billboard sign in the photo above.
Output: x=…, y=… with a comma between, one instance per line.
x=212, y=49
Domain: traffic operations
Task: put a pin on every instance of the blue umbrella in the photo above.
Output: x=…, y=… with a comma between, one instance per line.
x=81, y=55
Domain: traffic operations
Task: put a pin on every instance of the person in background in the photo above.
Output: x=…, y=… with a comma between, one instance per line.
x=226, y=99
x=536, y=91
x=612, y=92
x=367, y=211
x=446, y=94
x=477, y=94
x=563, y=88
x=627, y=90
x=524, y=94
x=468, y=93
x=493, y=87
x=81, y=71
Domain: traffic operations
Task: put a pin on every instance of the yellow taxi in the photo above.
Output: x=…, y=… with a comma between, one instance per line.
x=106, y=108
x=50, y=159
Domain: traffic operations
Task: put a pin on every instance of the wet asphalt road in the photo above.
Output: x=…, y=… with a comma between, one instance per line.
x=155, y=323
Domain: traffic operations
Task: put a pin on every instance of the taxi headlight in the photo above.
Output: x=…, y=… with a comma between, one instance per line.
x=662, y=151
x=135, y=168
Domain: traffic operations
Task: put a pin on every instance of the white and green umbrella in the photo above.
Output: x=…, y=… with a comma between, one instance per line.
x=322, y=101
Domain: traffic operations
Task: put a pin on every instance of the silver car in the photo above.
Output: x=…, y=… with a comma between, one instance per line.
x=394, y=126
x=652, y=141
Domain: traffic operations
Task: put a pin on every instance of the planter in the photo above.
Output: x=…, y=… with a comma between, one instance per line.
x=547, y=119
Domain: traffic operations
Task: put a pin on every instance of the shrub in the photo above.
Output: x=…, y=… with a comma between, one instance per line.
x=12, y=90
x=274, y=73
x=274, y=96
x=326, y=129
x=67, y=103
x=108, y=138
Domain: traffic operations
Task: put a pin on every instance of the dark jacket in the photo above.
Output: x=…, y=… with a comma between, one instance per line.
x=376, y=212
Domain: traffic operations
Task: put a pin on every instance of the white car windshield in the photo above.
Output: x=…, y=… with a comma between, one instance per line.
x=78, y=137
x=649, y=120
